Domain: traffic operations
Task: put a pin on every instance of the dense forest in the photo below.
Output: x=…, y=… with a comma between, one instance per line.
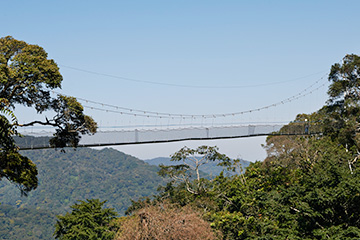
x=308, y=187
x=78, y=174
x=307, y=191
x=26, y=223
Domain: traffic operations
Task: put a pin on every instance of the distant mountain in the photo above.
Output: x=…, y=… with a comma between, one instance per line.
x=84, y=173
x=78, y=174
x=210, y=168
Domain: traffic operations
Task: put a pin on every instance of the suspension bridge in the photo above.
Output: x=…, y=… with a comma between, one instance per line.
x=135, y=136
x=154, y=134
x=143, y=127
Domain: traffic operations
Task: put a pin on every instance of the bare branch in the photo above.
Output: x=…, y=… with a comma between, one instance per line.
x=47, y=123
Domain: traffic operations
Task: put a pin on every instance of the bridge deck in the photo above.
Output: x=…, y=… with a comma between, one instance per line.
x=136, y=136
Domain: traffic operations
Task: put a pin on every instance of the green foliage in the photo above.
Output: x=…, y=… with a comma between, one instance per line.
x=278, y=199
x=19, y=169
x=14, y=166
x=26, y=74
x=345, y=79
x=25, y=223
x=343, y=109
x=27, y=77
x=88, y=220
x=70, y=121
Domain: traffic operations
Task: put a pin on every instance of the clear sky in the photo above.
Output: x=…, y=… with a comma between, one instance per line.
x=266, y=50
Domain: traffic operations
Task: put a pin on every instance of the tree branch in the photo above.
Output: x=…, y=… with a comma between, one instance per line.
x=47, y=123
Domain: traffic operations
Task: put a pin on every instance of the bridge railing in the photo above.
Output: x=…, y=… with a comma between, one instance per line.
x=141, y=136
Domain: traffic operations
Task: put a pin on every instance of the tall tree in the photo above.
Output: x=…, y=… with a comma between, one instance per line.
x=345, y=80
x=343, y=108
x=88, y=220
x=191, y=160
x=27, y=77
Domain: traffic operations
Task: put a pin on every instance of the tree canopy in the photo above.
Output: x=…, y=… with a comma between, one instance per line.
x=28, y=77
x=88, y=220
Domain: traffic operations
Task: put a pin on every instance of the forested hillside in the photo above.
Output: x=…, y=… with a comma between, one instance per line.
x=26, y=223
x=84, y=173
x=78, y=174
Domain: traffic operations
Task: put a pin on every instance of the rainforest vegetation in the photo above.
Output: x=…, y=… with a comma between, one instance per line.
x=308, y=187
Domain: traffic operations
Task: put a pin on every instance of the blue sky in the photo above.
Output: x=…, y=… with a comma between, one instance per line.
x=254, y=44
